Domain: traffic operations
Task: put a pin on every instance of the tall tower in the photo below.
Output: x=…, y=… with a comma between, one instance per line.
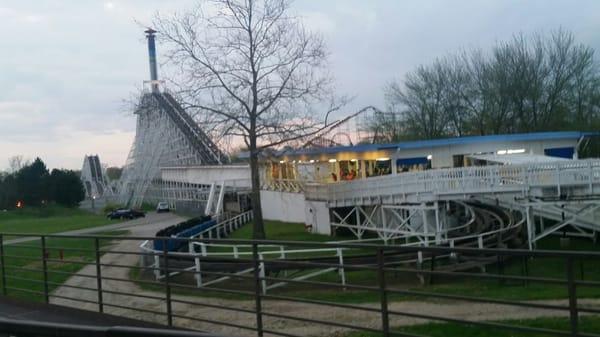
x=152, y=58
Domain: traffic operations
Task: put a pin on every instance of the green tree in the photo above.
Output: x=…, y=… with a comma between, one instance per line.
x=66, y=188
x=114, y=173
x=32, y=183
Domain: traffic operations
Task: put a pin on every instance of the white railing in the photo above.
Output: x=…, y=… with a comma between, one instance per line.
x=228, y=225
x=284, y=185
x=278, y=251
x=468, y=180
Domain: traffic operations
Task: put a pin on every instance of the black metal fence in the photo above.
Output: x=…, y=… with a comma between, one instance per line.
x=19, y=328
x=375, y=290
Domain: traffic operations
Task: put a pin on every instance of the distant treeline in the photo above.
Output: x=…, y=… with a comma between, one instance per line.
x=33, y=185
x=528, y=84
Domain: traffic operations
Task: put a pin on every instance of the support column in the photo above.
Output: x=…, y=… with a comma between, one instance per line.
x=384, y=225
x=359, y=230
x=425, y=223
x=438, y=225
x=530, y=227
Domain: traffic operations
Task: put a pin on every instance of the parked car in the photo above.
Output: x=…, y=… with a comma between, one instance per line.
x=125, y=213
x=162, y=207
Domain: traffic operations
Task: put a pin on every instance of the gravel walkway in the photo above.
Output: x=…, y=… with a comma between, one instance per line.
x=458, y=310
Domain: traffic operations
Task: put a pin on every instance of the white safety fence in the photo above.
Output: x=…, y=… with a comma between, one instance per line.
x=216, y=231
x=226, y=226
x=560, y=176
x=284, y=185
x=276, y=251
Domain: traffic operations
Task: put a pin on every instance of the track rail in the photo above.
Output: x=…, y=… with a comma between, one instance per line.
x=489, y=227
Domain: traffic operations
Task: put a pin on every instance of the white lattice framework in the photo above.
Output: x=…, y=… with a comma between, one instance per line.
x=567, y=192
x=165, y=136
x=94, y=178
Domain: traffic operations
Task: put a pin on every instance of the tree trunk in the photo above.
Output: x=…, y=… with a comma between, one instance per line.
x=258, y=229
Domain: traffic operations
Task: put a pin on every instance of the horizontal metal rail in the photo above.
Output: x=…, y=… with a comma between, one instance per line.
x=376, y=272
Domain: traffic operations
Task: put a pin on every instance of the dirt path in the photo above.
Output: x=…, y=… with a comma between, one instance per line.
x=468, y=311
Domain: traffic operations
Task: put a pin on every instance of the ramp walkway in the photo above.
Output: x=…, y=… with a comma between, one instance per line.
x=562, y=180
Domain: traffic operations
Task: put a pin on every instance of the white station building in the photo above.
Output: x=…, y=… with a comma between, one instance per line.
x=318, y=186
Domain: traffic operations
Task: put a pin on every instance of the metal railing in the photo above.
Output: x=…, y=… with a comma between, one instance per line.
x=88, y=272
x=284, y=185
x=18, y=328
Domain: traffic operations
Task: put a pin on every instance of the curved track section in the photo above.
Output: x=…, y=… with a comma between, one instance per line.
x=488, y=226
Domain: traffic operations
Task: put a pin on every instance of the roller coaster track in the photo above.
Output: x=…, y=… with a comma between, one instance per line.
x=492, y=227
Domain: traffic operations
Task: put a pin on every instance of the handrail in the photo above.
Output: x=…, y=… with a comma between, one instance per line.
x=246, y=216
x=265, y=274
x=481, y=179
x=235, y=221
x=36, y=328
x=535, y=253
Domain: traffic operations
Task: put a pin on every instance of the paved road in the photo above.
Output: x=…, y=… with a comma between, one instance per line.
x=152, y=220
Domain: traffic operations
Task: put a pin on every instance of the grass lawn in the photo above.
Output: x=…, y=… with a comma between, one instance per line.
x=284, y=231
x=585, y=269
x=587, y=324
x=76, y=252
x=49, y=219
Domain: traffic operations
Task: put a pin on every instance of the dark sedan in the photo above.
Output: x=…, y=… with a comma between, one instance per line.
x=125, y=214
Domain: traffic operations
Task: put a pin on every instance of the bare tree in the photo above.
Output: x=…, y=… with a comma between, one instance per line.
x=15, y=163
x=252, y=71
x=529, y=83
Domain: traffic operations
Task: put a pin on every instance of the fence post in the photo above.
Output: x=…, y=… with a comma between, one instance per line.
x=98, y=275
x=558, y=180
x=156, y=267
x=341, y=270
x=4, y=290
x=281, y=252
x=45, y=269
x=167, y=285
x=420, y=266
x=573, y=313
x=257, y=291
x=385, y=324
x=591, y=178
x=262, y=274
x=431, y=268
x=198, y=270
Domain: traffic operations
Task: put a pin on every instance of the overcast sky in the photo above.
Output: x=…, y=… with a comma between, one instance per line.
x=67, y=65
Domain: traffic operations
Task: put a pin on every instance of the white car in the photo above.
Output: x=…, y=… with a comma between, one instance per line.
x=162, y=207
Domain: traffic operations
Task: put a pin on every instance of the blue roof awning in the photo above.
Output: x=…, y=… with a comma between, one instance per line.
x=431, y=143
